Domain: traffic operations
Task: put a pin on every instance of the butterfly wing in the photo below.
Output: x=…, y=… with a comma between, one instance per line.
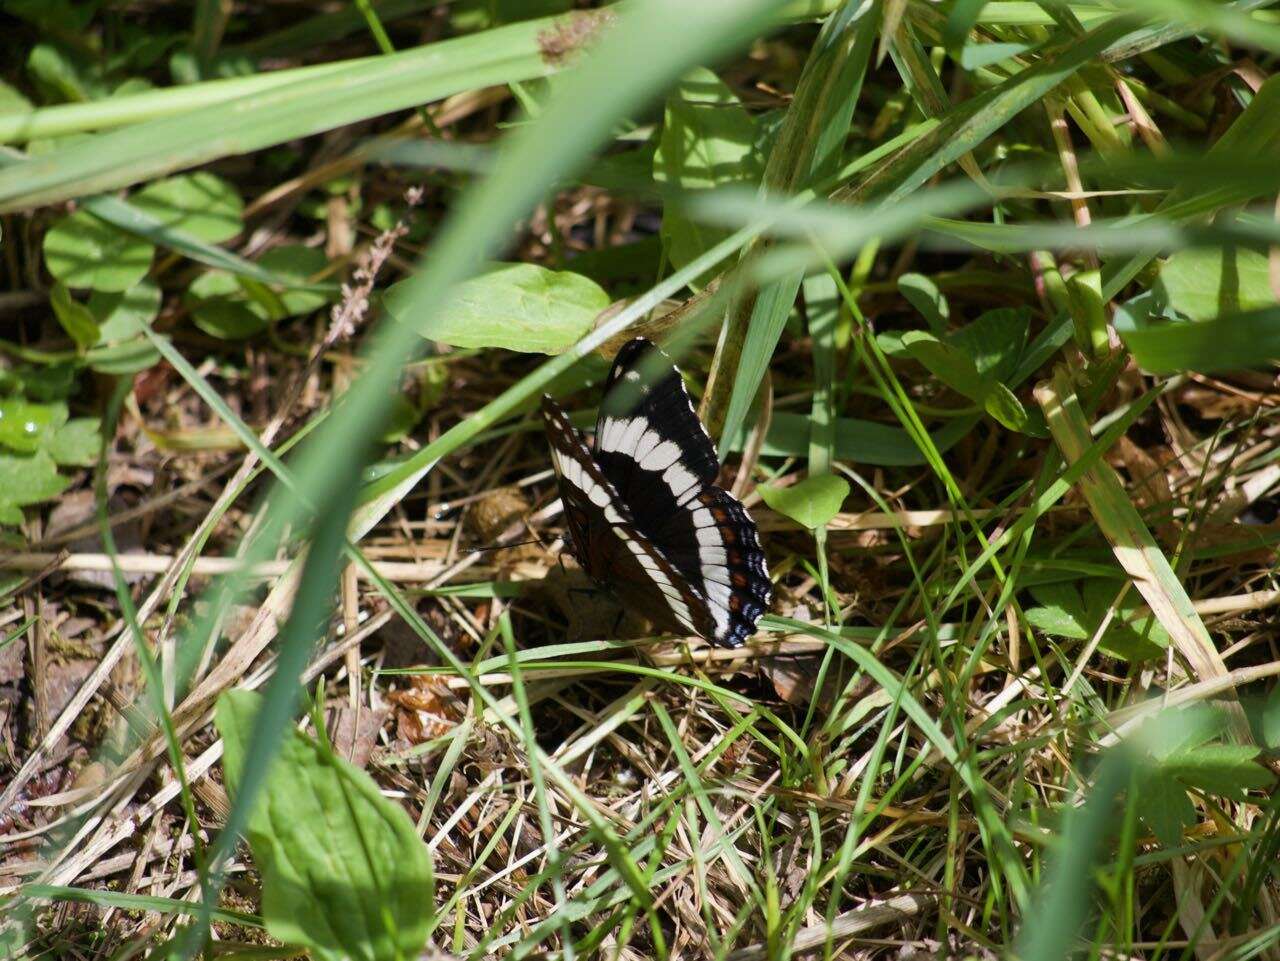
x=647, y=426
x=606, y=541
x=651, y=446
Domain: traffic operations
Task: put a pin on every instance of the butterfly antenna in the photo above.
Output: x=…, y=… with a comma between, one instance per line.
x=501, y=547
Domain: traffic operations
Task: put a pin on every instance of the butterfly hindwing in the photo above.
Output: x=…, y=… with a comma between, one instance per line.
x=734, y=577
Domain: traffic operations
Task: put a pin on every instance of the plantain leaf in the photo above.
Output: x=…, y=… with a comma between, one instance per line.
x=521, y=307
x=1206, y=283
x=344, y=873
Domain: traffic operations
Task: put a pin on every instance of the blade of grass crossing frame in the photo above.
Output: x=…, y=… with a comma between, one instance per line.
x=1062, y=902
x=924, y=84
x=1133, y=544
x=1159, y=34
x=807, y=149
x=1215, y=18
x=68, y=118
x=348, y=93
x=307, y=106
x=135, y=902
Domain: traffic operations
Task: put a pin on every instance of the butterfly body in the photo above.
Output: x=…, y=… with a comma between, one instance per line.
x=645, y=517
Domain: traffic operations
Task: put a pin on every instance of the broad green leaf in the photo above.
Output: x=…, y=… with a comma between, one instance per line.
x=123, y=314
x=125, y=357
x=1205, y=283
x=995, y=341
x=1134, y=634
x=291, y=263
x=708, y=137
x=82, y=251
x=29, y=478
x=76, y=319
x=41, y=382
x=220, y=308
x=344, y=872
x=1057, y=621
x=1180, y=759
x=1228, y=770
x=122, y=348
x=25, y=426
x=1067, y=611
x=1128, y=644
x=521, y=307
x=924, y=295
x=1181, y=730
x=948, y=363
x=234, y=307
x=1061, y=611
x=811, y=503
x=1001, y=404
x=1230, y=341
x=201, y=204
x=1178, y=756
x=1165, y=807
x=708, y=140
x=890, y=343
x=57, y=74
x=76, y=442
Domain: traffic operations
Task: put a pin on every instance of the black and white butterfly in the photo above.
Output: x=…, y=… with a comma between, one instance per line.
x=645, y=516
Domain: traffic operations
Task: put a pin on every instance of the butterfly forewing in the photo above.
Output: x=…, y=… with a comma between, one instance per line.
x=647, y=426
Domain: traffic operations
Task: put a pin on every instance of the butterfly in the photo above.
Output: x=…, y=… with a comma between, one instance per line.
x=645, y=517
